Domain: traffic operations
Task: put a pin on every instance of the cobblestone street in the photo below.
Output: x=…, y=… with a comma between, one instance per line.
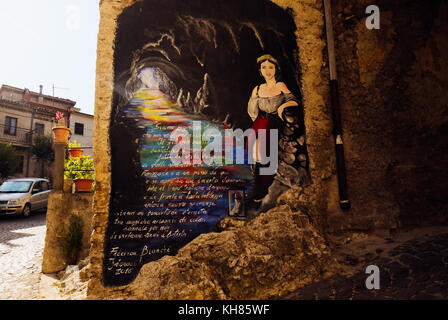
x=21, y=248
x=413, y=266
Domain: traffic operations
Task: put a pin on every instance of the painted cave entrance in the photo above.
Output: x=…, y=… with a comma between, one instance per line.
x=177, y=62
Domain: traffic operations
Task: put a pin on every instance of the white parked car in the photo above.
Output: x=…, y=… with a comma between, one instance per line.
x=24, y=195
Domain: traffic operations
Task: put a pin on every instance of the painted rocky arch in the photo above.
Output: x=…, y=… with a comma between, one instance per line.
x=198, y=58
x=205, y=46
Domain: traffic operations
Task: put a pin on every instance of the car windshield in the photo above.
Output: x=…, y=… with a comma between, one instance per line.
x=15, y=186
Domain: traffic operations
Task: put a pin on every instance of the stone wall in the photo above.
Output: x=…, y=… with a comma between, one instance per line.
x=309, y=19
x=60, y=206
x=394, y=111
x=389, y=80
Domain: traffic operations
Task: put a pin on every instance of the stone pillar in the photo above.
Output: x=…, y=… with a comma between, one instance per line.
x=59, y=159
x=60, y=206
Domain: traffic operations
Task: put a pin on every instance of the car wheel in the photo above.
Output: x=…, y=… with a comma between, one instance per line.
x=26, y=212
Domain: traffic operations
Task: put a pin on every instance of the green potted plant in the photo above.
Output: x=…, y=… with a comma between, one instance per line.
x=82, y=171
x=74, y=148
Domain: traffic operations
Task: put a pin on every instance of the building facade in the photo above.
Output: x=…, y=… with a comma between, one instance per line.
x=25, y=114
x=81, y=127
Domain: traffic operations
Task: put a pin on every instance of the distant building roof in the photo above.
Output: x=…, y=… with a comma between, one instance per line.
x=83, y=113
x=36, y=94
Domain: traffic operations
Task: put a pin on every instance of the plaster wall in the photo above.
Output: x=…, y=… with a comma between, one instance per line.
x=86, y=140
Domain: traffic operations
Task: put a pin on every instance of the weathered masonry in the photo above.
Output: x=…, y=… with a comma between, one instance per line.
x=164, y=232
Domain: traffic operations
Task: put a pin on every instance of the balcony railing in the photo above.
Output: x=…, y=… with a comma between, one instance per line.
x=15, y=135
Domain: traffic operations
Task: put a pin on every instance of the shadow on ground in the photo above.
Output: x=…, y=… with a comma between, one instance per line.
x=411, y=268
x=11, y=226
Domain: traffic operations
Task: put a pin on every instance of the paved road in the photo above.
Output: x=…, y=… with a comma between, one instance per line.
x=411, y=266
x=416, y=269
x=21, y=248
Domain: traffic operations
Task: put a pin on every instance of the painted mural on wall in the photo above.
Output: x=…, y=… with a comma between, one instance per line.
x=192, y=66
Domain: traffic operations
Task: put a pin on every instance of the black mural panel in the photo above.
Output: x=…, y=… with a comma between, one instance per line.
x=189, y=65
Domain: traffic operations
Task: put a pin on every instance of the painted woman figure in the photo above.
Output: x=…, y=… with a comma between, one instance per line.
x=265, y=107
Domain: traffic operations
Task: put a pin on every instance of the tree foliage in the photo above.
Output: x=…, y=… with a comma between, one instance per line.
x=43, y=147
x=9, y=160
x=43, y=150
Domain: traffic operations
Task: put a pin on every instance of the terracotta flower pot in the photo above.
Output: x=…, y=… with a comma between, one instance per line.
x=83, y=185
x=75, y=153
x=61, y=134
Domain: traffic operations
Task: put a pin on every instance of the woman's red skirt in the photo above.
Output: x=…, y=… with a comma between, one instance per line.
x=267, y=122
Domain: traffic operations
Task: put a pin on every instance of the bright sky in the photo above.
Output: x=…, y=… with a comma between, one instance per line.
x=50, y=42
